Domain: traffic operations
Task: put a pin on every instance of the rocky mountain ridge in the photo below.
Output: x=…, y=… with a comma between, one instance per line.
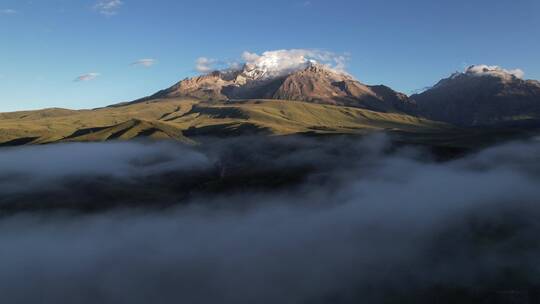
x=314, y=82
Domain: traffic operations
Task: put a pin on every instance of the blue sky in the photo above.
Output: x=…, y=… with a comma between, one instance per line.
x=408, y=45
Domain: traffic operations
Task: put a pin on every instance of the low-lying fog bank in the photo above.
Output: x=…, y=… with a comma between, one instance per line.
x=280, y=220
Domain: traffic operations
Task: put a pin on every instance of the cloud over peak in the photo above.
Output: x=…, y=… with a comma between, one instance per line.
x=279, y=62
x=108, y=7
x=493, y=70
x=87, y=77
x=205, y=64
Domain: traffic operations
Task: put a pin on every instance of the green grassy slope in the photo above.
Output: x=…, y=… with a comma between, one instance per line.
x=181, y=119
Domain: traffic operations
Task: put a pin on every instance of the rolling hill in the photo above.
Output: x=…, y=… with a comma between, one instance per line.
x=185, y=119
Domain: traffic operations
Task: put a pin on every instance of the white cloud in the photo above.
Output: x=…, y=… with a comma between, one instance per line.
x=205, y=65
x=148, y=62
x=340, y=63
x=234, y=65
x=87, y=77
x=493, y=70
x=250, y=57
x=7, y=11
x=276, y=63
x=108, y=7
x=282, y=62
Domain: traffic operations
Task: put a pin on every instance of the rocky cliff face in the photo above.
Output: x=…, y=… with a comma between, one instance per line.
x=320, y=85
x=481, y=95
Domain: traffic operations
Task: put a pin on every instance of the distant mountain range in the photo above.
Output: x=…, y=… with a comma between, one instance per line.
x=312, y=98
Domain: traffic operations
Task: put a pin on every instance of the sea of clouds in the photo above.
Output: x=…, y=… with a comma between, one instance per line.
x=364, y=222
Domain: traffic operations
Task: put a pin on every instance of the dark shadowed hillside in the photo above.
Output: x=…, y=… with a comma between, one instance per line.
x=481, y=96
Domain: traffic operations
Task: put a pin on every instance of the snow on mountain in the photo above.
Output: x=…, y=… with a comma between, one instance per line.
x=493, y=70
x=490, y=70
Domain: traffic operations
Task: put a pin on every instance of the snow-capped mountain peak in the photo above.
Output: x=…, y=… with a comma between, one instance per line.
x=273, y=67
x=490, y=70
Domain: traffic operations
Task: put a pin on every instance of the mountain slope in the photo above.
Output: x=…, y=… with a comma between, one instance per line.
x=482, y=95
x=131, y=129
x=186, y=119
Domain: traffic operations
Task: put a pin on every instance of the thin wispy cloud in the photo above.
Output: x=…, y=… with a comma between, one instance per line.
x=147, y=62
x=302, y=4
x=108, y=7
x=87, y=77
x=204, y=64
x=7, y=11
